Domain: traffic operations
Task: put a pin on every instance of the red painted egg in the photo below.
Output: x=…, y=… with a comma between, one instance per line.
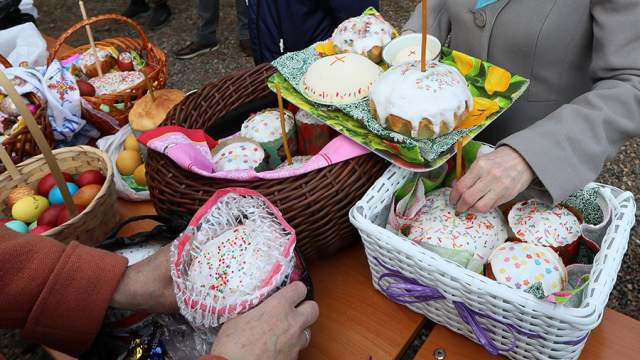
x=86, y=88
x=46, y=183
x=40, y=229
x=90, y=177
x=64, y=215
x=50, y=216
x=125, y=62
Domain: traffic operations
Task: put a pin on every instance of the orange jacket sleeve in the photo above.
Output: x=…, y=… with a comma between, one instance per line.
x=57, y=294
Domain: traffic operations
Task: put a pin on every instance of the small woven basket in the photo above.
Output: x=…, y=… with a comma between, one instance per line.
x=316, y=204
x=504, y=320
x=20, y=145
x=125, y=100
x=97, y=221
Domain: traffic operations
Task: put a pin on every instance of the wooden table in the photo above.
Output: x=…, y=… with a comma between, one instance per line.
x=356, y=322
x=617, y=337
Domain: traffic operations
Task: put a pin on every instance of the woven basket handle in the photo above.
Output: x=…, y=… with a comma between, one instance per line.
x=61, y=40
x=41, y=141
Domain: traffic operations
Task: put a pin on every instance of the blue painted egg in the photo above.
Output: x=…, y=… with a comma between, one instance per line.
x=17, y=226
x=55, y=196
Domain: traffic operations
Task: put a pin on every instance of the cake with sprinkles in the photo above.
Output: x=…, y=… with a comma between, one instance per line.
x=521, y=265
x=237, y=154
x=366, y=35
x=264, y=127
x=438, y=225
x=115, y=82
x=535, y=222
x=422, y=105
x=88, y=61
x=339, y=79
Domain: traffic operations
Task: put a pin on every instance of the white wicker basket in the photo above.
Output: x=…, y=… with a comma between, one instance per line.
x=501, y=313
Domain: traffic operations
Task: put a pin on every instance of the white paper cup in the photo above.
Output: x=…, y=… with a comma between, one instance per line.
x=406, y=48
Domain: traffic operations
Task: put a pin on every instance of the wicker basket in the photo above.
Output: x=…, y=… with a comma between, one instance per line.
x=20, y=145
x=97, y=220
x=315, y=204
x=152, y=54
x=445, y=292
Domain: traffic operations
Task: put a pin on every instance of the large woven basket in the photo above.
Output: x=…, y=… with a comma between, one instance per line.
x=125, y=100
x=97, y=221
x=446, y=293
x=20, y=145
x=315, y=204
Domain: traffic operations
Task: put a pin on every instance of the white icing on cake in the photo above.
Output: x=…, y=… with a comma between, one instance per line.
x=535, y=222
x=438, y=225
x=520, y=265
x=340, y=79
x=361, y=34
x=116, y=81
x=307, y=118
x=88, y=57
x=409, y=54
x=265, y=125
x=298, y=162
x=228, y=263
x=237, y=155
x=438, y=94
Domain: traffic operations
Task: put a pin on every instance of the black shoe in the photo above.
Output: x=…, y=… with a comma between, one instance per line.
x=194, y=49
x=136, y=7
x=245, y=47
x=160, y=14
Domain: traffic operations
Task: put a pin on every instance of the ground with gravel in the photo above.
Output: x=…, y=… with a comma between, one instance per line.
x=58, y=15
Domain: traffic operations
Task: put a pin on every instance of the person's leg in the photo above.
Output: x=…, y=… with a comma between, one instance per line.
x=160, y=13
x=135, y=8
x=209, y=13
x=242, y=18
x=205, y=39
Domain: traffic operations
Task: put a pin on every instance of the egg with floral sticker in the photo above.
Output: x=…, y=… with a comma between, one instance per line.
x=237, y=154
x=547, y=269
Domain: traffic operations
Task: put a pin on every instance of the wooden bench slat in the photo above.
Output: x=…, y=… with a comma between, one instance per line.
x=615, y=338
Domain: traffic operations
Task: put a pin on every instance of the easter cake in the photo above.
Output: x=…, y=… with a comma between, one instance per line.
x=366, y=35
x=422, y=105
x=237, y=154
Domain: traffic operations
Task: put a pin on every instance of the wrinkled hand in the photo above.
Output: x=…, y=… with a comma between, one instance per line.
x=147, y=286
x=273, y=330
x=493, y=180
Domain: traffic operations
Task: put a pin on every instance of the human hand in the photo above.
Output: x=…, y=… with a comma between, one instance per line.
x=147, y=286
x=273, y=330
x=492, y=180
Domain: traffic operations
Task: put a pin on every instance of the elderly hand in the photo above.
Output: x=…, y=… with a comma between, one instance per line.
x=273, y=330
x=147, y=286
x=493, y=180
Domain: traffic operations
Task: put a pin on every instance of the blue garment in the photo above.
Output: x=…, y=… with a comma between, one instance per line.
x=482, y=3
x=280, y=26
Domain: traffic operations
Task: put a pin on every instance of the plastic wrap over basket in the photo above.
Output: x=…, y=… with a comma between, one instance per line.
x=236, y=251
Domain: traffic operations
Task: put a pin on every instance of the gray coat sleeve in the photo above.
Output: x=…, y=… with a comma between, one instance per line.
x=568, y=148
x=439, y=24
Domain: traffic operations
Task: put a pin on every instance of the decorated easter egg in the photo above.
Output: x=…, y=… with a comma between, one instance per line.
x=86, y=88
x=46, y=183
x=29, y=208
x=128, y=161
x=65, y=216
x=131, y=143
x=90, y=177
x=40, y=229
x=140, y=176
x=55, y=195
x=17, y=226
x=50, y=216
x=19, y=193
x=86, y=194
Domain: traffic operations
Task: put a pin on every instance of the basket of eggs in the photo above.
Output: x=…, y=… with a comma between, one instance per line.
x=67, y=194
x=316, y=203
x=115, y=75
x=16, y=138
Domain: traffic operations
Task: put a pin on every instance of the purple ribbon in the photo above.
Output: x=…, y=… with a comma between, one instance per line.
x=406, y=290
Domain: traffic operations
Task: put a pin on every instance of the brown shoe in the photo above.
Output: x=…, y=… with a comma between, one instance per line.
x=193, y=49
x=245, y=47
